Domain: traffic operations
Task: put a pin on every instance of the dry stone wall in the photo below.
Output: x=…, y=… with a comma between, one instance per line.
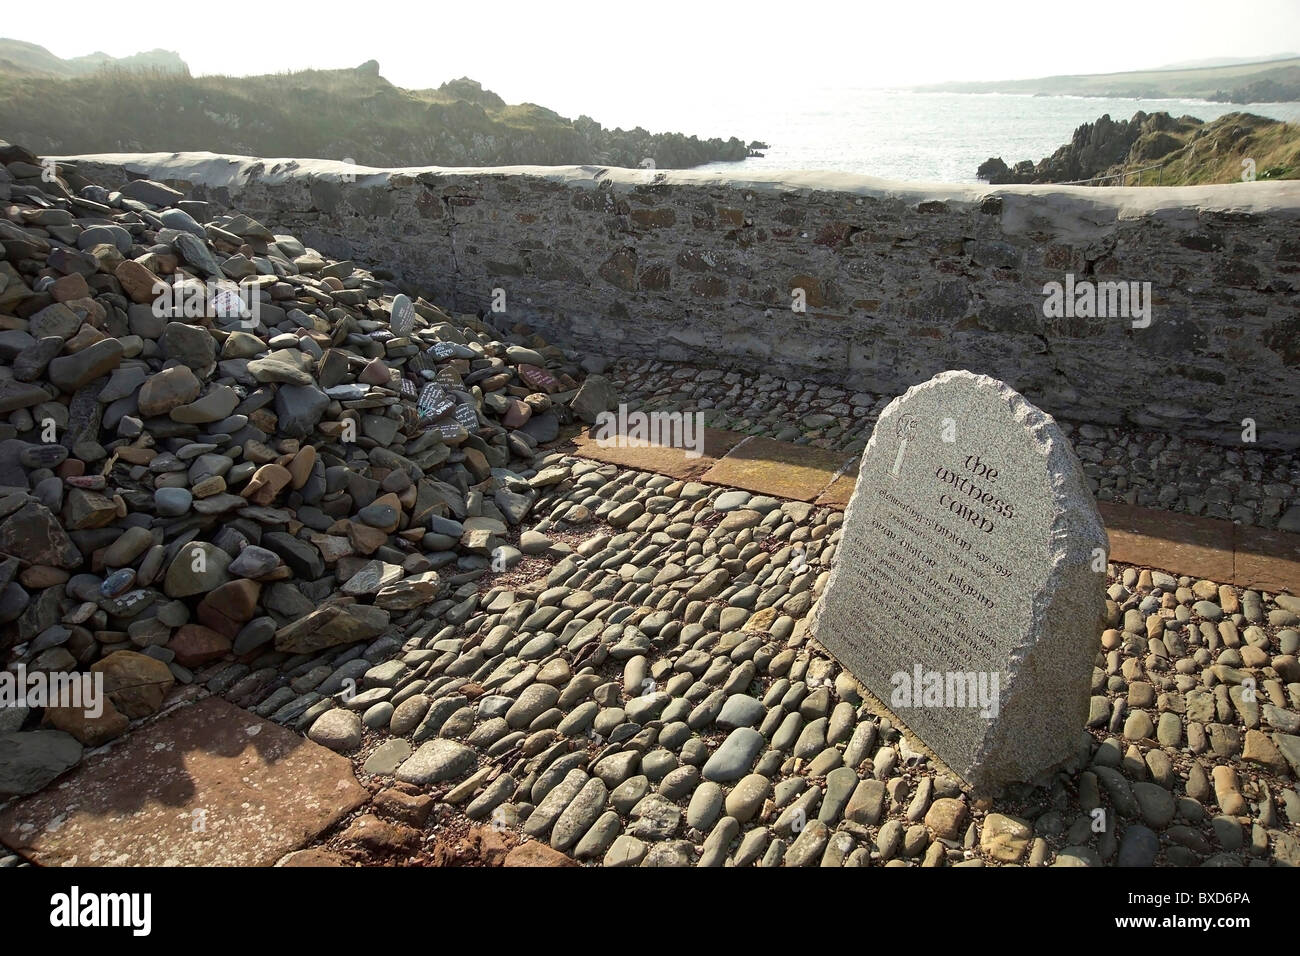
x=901, y=281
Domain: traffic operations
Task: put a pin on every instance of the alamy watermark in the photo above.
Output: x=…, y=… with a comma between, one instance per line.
x=1086, y=299
x=947, y=689
x=81, y=691
x=624, y=429
x=76, y=909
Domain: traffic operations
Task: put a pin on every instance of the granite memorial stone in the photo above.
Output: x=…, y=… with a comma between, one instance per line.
x=966, y=593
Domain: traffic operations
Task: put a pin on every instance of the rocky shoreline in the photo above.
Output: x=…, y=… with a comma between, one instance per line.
x=371, y=121
x=1173, y=151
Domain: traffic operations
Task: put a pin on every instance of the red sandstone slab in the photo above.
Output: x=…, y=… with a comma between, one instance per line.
x=207, y=785
x=781, y=469
x=838, y=493
x=1169, y=541
x=664, y=460
x=1266, y=560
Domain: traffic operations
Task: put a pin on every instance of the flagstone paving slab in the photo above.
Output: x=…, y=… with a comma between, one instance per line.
x=661, y=459
x=1268, y=560
x=840, y=490
x=208, y=785
x=777, y=468
x=1177, y=543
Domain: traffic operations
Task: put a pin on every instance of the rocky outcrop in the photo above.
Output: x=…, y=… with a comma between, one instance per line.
x=1186, y=149
x=368, y=121
x=1093, y=149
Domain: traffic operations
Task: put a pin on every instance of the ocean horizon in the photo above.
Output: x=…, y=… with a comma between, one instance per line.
x=908, y=135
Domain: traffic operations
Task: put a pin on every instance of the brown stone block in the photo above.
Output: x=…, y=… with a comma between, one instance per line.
x=534, y=854
x=812, y=287
x=267, y=483
x=1267, y=560
x=195, y=645
x=653, y=218
x=656, y=278
x=777, y=468
x=90, y=731
x=840, y=490
x=136, y=683
x=227, y=608
x=208, y=785
x=731, y=216
x=660, y=459
x=709, y=287
x=1168, y=541
x=137, y=281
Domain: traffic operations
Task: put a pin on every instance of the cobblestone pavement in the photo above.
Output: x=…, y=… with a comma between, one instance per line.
x=640, y=690
x=1152, y=469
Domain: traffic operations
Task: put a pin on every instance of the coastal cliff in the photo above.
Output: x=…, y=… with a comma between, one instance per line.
x=354, y=115
x=1185, y=150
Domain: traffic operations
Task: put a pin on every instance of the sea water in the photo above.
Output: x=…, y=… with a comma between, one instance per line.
x=940, y=137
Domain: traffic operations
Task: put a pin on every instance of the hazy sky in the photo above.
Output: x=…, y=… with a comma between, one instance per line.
x=621, y=61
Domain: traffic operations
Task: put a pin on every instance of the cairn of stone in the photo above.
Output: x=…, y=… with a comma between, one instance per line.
x=219, y=443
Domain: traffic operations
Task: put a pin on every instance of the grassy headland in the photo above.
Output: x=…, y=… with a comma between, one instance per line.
x=333, y=114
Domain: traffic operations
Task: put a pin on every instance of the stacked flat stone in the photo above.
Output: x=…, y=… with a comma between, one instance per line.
x=183, y=486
